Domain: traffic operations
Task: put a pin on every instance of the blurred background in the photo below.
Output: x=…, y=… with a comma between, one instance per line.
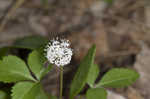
x=119, y=28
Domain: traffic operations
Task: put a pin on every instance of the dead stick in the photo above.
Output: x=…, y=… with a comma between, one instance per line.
x=10, y=14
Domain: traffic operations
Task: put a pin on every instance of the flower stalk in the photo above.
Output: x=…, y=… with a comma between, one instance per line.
x=61, y=82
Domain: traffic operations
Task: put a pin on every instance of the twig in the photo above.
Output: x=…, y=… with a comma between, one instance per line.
x=10, y=13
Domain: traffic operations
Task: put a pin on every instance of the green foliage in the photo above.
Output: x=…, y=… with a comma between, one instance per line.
x=13, y=69
x=36, y=62
x=3, y=51
x=109, y=1
x=28, y=90
x=93, y=73
x=118, y=78
x=3, y=95
x=96, y=93
x=44, y=2
x=81, y=76
x=30, y=42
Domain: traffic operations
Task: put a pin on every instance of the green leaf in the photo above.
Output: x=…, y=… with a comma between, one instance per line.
x=96, y=93
x=118, y=78
x=3, y=95
x=108, y=1
x=30, y=42
x=13, y=69
x=36, y=62
x=80, y=78
x=93, y=73
x=3, y=51
x=28, y=90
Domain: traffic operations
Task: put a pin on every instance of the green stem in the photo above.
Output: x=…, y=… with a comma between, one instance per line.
x=61, y=82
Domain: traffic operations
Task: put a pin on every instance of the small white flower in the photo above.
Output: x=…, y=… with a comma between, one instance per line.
x=58, y=52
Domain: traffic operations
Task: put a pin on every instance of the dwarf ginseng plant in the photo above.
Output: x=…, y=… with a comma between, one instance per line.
x=58, y=53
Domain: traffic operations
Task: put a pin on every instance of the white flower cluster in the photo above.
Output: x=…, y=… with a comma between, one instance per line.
x=58, y=52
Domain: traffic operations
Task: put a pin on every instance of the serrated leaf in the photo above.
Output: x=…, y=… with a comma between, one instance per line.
x=36, y=62
x=118, y=77
x=30, y=42
x=96, y=93
x=80, y=78
x=93, y=73
x=28, y=90
x=3, y=95
x=13, y=69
